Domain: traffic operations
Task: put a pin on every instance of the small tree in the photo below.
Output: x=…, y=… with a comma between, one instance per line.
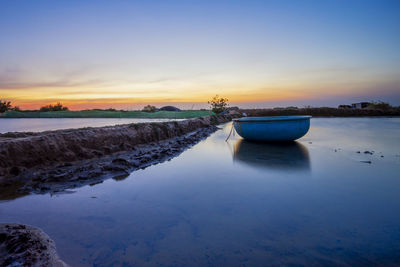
x=149, y=108
x=4, y=106
x=218, y=104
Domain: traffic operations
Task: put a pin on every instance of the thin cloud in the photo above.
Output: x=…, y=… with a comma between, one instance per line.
x=59, y=83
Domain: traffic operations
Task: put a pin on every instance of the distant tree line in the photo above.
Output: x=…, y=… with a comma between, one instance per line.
x=323, y=111
x=220, y=104
x=149, y=108
x=380, y=105
x=6, y=105
x=56, y=107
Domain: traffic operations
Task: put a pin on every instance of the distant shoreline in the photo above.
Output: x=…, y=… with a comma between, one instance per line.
x=188, y=114
x=322, y=112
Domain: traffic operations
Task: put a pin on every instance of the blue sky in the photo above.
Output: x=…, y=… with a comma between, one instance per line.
x=256, y=53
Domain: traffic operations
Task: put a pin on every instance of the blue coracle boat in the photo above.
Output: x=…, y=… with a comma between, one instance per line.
x=272, y=129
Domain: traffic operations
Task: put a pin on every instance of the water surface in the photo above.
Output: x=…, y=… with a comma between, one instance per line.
x=311, y=202
x=48, y=124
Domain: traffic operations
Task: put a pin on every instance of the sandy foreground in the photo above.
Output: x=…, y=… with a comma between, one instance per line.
x=55, y=161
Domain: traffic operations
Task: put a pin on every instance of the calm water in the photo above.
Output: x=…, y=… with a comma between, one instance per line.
x=235, y=203
x=38, y=125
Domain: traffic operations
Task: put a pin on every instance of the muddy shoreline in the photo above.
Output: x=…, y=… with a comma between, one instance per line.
x=55, y=161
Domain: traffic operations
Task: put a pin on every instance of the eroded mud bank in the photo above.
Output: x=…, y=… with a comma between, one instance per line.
x=58, y=160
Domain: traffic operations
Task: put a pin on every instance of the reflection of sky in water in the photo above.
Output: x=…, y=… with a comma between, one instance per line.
x=207, y=207
x=38, y=125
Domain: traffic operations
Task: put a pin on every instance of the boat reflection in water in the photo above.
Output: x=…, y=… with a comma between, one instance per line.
x=275, y=156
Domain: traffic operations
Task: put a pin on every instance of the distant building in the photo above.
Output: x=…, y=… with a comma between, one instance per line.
x=360, y=105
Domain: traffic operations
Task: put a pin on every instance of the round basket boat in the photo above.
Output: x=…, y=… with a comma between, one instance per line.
x=272, y=129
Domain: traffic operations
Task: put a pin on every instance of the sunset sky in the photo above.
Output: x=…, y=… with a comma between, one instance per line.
x=125, y=54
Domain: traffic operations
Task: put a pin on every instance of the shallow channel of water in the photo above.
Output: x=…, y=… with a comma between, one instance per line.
x=313, y=202
x=48, y=124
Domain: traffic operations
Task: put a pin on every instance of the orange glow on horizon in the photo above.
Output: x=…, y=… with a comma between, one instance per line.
x=128, y=102
x=184, y=93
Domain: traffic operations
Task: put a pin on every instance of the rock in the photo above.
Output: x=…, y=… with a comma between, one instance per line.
x=121, y=161
x=114, y=168
x=23, y=245
x=14, y=171
x=120, y=177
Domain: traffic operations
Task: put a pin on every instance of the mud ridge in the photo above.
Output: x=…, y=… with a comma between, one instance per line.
x=56, y=161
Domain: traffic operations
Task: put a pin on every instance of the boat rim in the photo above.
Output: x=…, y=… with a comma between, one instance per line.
x=272, y=118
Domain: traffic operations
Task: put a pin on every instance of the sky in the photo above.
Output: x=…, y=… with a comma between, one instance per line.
x=127, y=54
